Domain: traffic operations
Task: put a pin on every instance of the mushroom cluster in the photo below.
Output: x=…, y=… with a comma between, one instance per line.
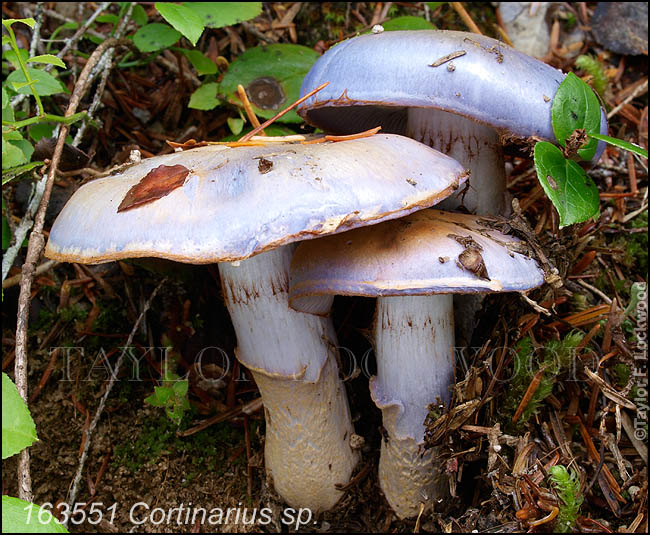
x=468, y=96
x=412, y=265
x=243, y=208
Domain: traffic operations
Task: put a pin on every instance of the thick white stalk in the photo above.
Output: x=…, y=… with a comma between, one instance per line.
x=415, y=367
x=292, y=357
x=477, y=147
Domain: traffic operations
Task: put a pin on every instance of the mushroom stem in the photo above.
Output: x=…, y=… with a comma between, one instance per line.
x=293, y=359
x=477, y=147
x=415, y=367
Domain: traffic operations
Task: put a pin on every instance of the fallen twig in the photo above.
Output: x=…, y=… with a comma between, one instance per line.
x=34, y=249
x=88, y=432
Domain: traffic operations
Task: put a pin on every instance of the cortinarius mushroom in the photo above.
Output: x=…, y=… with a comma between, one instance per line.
x=225, y=205
x=464, y=94
x=461, y=93
x=413, y=265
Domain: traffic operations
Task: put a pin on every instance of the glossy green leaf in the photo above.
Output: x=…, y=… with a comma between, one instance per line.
x=19, y=516
x=622, y=144
x=49, y=59
x=220, y=14
x=276, y=70
x=18, y=429
x=155, y=36
x=407, y=22
x=45, y=84
x=5, y=98
x=8, y=22
x=572, y=192
x=200, y=62
x=182, y=19
x=575, y=106
x=205, y=97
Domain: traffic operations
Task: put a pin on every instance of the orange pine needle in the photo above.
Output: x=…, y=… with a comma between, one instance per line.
x=469, y=22
x=530, y=391
x=248, y=108
x=360, y=135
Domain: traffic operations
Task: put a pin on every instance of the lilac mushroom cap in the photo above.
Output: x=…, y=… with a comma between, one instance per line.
x=413, y=265
x=239, y=202
x=403, y=80
x=240, y=207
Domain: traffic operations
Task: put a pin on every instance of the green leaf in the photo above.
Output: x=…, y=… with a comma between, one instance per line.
x=276, y=70
x=5, y=98
x=50, y=59
x=571, y=191
x=182, y=19
x=8, y=22
x=14, y=172
x=18, y=429
x=41, y=130
x=180, y=388
x=235, y=124
x=155, y=36
x=11, y=134
x=407, y=22
x=576, y=106
x=109, y=18
x=25, y=146
x=435, y=5
x=139, y=15
x=8, y=114
x=19, y=516
x=160, y=397
x=12, y=56
x=220, y=14
x=201, y=63
x=45, y=84
x=12, y=156
x=205, y=97
x=622, y=144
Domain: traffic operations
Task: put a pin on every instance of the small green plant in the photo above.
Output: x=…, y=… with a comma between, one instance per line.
x=576, y=117
x=24, y=79
x=554, y=358
x=567, y=487
x=172, y=394
x=594, y=67
x=18, y=433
